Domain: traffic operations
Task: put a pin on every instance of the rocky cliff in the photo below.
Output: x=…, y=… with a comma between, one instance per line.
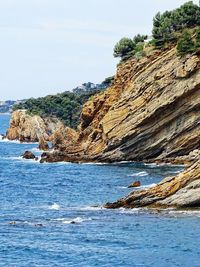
x=27, y=128
x=150, y=113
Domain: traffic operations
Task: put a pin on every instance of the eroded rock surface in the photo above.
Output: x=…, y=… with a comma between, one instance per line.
x=27, y=128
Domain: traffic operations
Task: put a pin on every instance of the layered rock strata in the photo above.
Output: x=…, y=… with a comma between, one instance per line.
x=151, y=113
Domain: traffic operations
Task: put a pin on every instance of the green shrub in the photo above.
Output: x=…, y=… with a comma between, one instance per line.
x=197, y=39
x=166, y=24
x=123, y=47
x=185, y=44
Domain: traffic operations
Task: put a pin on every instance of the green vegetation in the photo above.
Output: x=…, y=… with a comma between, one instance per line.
x=176, y=27
x=198, y=37
x=188, y=42
x=167, y=24
x=127, y=47
x=185, y=44
x=65, y=106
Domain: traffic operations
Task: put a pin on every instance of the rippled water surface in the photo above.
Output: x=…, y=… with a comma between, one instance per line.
x=51, y=215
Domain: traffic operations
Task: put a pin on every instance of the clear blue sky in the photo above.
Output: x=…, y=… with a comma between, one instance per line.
x=49, y=46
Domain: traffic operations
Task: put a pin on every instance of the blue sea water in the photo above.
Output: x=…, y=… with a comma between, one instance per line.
x=39, y=202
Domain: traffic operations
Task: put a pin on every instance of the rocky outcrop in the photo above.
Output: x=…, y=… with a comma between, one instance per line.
x=182, y=190
x=27, y=128
x=135, y=184
x=28, y=155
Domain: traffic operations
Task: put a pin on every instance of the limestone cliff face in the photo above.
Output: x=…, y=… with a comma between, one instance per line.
x=152, y=112
x=158, y=114
x=26, y=128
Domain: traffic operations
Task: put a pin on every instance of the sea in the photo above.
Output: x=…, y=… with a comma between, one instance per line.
x=52, y=215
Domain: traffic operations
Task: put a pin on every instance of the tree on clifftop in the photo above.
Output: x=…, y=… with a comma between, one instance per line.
x=124, y=47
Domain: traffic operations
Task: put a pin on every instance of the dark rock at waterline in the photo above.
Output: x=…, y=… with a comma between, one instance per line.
x=43, y=145
x=29, y=155
x=135, y=184
x=3, y=136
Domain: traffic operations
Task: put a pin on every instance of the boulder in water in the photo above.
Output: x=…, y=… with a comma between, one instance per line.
x=135, y=184
x=28, y=155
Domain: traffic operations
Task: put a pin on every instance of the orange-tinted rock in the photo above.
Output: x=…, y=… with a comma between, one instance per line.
x=135, y=184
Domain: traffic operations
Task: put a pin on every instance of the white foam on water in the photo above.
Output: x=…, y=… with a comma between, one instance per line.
x=175, y=172
x=182, y=213
x=6, y=140
x=146, y=186
x=152, y=165
x=139, y=174
x=55, y=206
x=76, y=220
x=129, y=211
x=20, y=158
x=92, y=208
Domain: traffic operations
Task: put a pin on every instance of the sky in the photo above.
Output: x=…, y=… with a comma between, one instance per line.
x=50, y=46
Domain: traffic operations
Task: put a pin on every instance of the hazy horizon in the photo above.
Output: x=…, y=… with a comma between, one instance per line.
x=50, y=46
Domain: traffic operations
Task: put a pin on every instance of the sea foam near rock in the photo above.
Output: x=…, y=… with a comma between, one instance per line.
x=139, y=174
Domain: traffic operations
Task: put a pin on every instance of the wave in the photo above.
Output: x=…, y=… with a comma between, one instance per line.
x=138, y=187
x=20, y=158
x=139, y=174
x=54, y=206
x=6, y=140
x=76, y=220
x=174, y=172
x=72, y=220
x=146, y=186
x=182, y=213
x=92, y=208
x=154, y=165
x=122, y=187
x=129, y=211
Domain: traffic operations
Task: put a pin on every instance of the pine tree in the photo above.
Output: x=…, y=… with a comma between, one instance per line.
x=185, y=44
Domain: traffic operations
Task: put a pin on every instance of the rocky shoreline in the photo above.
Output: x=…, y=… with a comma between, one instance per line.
x=150, y=113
